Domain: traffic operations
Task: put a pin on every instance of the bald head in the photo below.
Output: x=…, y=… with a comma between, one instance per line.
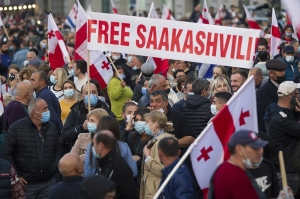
x=31, y=55
x=24, y=92
x=109, y=133
x=255, y=71
x=70, y=165
x=84, y=90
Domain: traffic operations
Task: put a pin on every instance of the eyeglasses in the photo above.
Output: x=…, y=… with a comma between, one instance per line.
x=40, y=135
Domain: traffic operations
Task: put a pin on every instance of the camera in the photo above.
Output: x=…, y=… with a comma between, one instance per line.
x=12, y=77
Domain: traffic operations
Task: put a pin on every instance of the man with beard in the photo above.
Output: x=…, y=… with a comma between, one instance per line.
x=268, y=92
x=5, y=58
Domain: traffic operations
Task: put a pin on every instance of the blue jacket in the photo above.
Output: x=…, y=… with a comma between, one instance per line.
x=181, y=184
x=53, y=106
x=291, y=71
x=125, y=153
x=19, y=57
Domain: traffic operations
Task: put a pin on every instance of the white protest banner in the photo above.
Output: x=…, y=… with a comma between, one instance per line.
x=173, y=39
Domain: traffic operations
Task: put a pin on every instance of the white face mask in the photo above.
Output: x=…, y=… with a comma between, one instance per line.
x=129, y=59
x=213, y=109
x=161, y=109
x=249, y=165
x=173, y=69
x=190, y=93
x=116, y=57
x=289, y=58
x=128, y=119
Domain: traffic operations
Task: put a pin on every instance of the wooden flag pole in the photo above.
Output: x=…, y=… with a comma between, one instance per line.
x=112, y=63
x=282, y=170
x=6, y=33
x=88, y=70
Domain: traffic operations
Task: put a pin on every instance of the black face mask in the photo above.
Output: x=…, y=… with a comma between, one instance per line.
x=167, y=91
x=280, y=79
x=5, y=51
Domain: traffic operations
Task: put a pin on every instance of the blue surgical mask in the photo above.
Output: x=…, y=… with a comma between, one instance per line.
x=298, y=49
x=122, y=76
x=144, y=90
x=129, y=59
x=94, y=153
x=91, y=127
x=148, y=131
x=52, y=79
x=43, y=45
x=69, y=93
x=72, y=72
x=135, y=68
x=45, y=116
x=289, y=34
x=93, y=99
x=139, y=126
x=34, y=94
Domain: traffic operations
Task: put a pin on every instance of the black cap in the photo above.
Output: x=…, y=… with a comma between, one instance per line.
x=275, y=64
x=289, y=49
x=246, y=137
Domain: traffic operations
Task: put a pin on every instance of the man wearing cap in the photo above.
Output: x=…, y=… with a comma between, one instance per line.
x=268, y=92
x=147, y=71
x=291, y=70
x=283, y=126
x=246, y=151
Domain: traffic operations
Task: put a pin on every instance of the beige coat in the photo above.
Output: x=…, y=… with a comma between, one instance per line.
x=81, y=144
x=151, y=170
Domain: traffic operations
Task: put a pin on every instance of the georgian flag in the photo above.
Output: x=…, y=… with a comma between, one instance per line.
x=275, y=36
x=100, y=68
x=218, y=17
x=210, y=148
x=114, y=9
x=72, y=17
x=166, y=14
x=205, y=17
x=251, y=21
x=57, y=50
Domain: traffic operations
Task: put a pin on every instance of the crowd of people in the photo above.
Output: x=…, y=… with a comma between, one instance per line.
x=141, y=124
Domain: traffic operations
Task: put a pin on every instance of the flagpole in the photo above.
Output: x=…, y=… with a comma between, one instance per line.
x=137, y=8
x=88, y=70
x=112, y=63
x=182, y=159
x=6, y=33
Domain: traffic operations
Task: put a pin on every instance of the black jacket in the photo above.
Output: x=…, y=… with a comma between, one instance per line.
x=75, y=119
x=5, y=180
x=115, y=168
x=197, y=111
x=283, y=127
x=266, y=95
x=68, y=188
x=21, y=150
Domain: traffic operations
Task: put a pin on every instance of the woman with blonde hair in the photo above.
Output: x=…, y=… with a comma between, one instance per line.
x=58, y=78
x=84, y=139
x=220, y=84
x=157, y=127
x=26, y=73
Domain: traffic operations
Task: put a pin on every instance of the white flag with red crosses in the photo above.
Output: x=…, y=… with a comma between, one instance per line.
x=100, y=68
x=205, y=17
x=57, y=50
x=211, y=149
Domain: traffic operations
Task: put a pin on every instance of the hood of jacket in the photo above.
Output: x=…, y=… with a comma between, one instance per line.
x=195, y=101
x=272, y=110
